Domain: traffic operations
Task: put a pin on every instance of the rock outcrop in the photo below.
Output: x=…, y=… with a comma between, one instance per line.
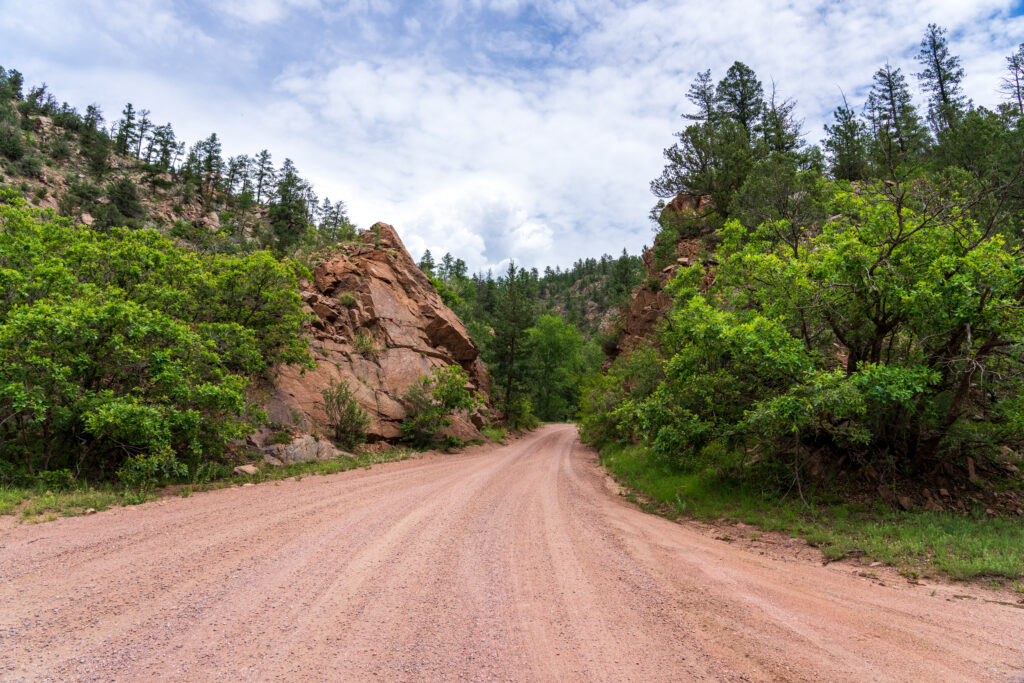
x=379, y=325
x=649, y=303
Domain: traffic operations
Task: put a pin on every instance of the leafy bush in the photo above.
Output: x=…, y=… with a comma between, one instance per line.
x=347, y=299
x=11, y=145
x=888, y=334
x=120, y=345
x=519, y=415
x=345, y=416
x=142, y=472
x=431, y=400
x=56, y=480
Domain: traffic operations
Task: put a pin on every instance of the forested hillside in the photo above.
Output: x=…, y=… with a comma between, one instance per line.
x=135, y=173
x=539, y=334
x=863, y=315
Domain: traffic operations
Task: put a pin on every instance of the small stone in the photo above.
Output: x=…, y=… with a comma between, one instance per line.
x=246, y=469
x=990, y=512
x=877, y=564
x=944, y=493
x=905, y=502
x=90, y=511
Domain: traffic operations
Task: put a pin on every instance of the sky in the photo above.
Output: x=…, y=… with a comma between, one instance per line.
x=493, y=129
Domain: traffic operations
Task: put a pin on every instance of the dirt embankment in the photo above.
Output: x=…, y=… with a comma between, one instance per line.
x=517, y=563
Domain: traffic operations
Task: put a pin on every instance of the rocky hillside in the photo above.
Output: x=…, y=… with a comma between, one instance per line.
x=378, y=324
x=648, y=303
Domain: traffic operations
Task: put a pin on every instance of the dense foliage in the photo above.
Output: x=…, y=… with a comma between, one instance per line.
x=119, y=348
x=866, y=305
x=536, y=332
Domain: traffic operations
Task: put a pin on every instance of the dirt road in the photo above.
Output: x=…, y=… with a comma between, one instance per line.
x=518, y=563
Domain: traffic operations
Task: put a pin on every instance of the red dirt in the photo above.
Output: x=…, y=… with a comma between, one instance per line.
x=515, y=563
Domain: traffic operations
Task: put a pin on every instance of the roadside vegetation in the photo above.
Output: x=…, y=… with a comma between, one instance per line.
x=42, y=501
x=845, y=362
x=921, y=542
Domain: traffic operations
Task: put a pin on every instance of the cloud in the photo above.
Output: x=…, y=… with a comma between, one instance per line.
x=493, y=129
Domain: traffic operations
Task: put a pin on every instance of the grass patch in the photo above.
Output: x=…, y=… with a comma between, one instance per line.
x=35, y=505
x=959, y=546
x=497, y=434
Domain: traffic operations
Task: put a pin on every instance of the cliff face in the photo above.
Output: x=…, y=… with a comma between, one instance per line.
x=379, y=324
x=649, y=303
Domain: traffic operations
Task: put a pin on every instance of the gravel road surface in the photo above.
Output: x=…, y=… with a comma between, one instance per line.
x=519, y=563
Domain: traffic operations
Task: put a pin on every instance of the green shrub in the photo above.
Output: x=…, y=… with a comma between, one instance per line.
x=345, y=416
x=281, y=437
x=121, y=343
x=365, y=345
x=430, y=402
x=11, y=145
x=56, y=480
x=347, y=299
x=520, y=415
x=142, y=472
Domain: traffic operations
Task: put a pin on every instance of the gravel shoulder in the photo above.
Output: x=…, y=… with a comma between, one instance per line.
x=501, y=563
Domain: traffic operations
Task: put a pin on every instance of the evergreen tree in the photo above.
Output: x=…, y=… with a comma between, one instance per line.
x=740, y=96
x=335, y=225
x=702, y=95
x=779, y=127
x=211, y=163
x=288, y=212
x=93, y=116
x=514, y=315
x=898, y=133
x=941, y=78
x=125, y=130
x=427, y=264
x=143, y=126
x=263, y=175
x=1013, y=82
x=847, y=144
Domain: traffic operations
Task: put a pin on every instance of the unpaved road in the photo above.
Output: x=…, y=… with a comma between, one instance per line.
x=518, y=563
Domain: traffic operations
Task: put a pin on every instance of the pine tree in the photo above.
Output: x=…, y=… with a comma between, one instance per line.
x=515, y=314
x=142, y=127
x=779, y=127
x=1013, y=82
x=125, y=130
x=702, y=95
x=941, y=77
x=895, y=125
x=740, y=96
x=288, y=212
x=847, y=144
x=427, y=264
x=263, y=174
x=335, y=225
x=93, y=116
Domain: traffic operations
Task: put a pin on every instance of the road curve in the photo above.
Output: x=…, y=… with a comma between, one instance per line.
x=515, y=564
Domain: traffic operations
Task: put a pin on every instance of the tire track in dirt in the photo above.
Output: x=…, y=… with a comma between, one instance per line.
x=514, y=563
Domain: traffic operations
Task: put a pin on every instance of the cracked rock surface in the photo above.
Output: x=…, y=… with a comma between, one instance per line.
x=379, y=324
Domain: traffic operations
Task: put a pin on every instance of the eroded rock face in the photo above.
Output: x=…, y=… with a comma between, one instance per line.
x=649, y=302
x=379, y=325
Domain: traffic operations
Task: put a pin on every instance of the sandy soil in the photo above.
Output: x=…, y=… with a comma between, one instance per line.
x=516, y=564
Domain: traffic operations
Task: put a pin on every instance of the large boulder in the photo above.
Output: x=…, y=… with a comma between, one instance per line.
x=303, y=449
x=378, y=324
